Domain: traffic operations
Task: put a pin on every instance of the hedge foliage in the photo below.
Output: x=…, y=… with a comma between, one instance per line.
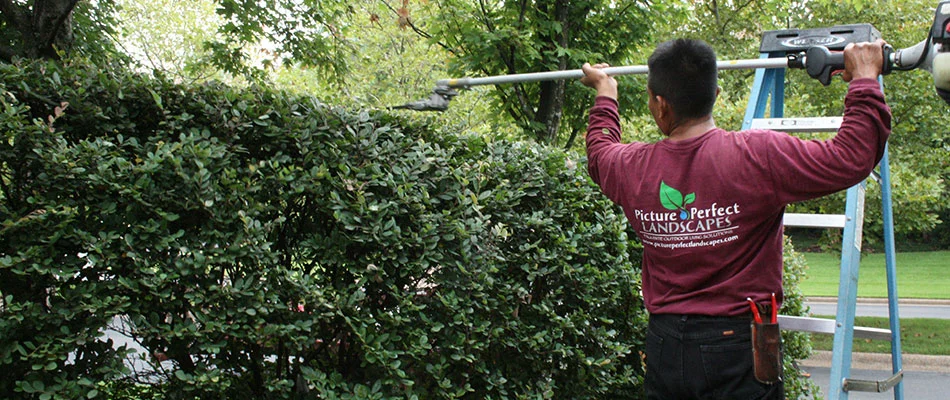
x=270, y=246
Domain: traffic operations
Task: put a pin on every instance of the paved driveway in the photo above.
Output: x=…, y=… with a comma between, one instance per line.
x=918, y=385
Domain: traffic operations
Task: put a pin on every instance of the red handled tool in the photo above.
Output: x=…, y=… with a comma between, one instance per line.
x=755, y=310
x=774, y=309
x=766, y=345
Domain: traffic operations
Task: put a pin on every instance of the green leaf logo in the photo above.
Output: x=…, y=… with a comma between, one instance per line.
x=673, y=199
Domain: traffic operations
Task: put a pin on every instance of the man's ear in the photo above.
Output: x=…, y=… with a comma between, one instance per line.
x=664, y=115
x=664, y=107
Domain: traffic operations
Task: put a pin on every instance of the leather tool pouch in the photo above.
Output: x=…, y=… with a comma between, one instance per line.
x=767, y=352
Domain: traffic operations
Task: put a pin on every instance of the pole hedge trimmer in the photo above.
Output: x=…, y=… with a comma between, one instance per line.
x=817, y=51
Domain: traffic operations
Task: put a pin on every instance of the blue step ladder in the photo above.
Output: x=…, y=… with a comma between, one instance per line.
x=768, y=91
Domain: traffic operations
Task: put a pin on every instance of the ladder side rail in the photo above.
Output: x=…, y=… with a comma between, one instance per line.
x=777, y=109
x=891, y=270
x=762, y=88
x=843, y=342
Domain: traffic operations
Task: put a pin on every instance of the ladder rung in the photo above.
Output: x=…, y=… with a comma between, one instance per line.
x=827, y=326
x=858, y=385
x=803, y=125
x=815, y=220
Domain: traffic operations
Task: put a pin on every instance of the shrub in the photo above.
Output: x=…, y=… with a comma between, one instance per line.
x=270, y=246
x=797, y=345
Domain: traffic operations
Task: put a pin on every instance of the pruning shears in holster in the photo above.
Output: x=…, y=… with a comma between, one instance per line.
x=766, y=344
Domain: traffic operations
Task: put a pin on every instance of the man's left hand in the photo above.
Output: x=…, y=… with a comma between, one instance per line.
x=595, y=77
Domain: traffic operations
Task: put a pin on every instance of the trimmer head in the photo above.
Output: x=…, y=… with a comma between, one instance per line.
x=437, y=101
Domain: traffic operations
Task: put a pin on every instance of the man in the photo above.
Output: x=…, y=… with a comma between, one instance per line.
x=707, y=205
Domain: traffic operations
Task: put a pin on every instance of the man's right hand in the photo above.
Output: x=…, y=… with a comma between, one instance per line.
x=595, y=77
x=863, y=60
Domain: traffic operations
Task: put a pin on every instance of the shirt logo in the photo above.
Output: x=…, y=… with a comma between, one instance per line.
x=686, y=223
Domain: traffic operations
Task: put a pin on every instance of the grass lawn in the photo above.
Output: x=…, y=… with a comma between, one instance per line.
x=918, y=336
x=923, y=275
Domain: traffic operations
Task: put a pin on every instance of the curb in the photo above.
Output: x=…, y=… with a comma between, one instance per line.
x=882, y=362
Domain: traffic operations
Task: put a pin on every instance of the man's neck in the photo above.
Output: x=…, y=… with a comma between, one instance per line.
x=692, y=128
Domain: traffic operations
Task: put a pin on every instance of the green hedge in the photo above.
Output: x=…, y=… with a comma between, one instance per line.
x=271, y=246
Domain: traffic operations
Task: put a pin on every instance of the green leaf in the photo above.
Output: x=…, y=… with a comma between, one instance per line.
x=689, y=199
x=182, y=375
x=671, y=198
x=156, y=98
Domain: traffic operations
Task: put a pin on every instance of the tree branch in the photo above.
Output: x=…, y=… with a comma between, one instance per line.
x=715, y=10
x=419, y=31
x=616, y=20
x=570, y=139
x=49, y=17
x=728, y=21
x=487, y=17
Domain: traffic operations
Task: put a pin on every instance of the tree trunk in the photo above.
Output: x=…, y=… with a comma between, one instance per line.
x=550, y=110
x=43, y=29
x=551, y=100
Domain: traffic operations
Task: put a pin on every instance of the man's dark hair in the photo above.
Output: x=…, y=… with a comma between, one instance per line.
x=684, y=72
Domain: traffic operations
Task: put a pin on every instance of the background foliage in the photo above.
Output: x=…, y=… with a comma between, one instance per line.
x=171, y=37
x=503, y=37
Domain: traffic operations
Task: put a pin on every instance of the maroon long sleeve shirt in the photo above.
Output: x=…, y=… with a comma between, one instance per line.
x=709, y=209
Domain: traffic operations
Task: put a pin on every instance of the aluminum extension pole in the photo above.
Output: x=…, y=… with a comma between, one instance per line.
x=445, y=88
x=613, y=71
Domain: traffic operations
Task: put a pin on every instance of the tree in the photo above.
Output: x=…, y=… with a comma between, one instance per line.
x=509, y=37
x=919, y=165
x=302, y=30
x=36, y=29
x=170, y=36
x=392, y=65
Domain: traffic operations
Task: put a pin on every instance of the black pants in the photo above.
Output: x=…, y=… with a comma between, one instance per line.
x=699, y=357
